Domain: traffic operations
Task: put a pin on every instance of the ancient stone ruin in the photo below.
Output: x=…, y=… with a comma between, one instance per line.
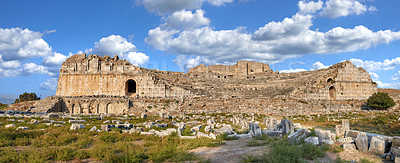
x=95, y=84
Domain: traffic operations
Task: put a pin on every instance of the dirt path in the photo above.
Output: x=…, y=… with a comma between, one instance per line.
x=231, y=151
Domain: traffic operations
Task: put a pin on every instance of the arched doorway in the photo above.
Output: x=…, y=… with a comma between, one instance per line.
x=329, y=81
x=332, y=93
x=107, y=108
x=130, y=87
x=72, y=108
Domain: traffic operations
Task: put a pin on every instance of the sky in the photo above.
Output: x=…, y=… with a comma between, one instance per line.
x=36, y=37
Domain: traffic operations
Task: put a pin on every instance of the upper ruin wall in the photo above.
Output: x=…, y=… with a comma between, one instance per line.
x=241, y=69
x=94, y=64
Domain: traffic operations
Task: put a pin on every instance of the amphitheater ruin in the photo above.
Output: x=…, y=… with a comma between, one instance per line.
x=96, y=84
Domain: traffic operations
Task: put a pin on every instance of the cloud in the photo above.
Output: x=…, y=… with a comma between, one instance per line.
x=55, y=60
x=387, y=64
x=137, y=58
x=396, y=76
x=375, y=78
x=271, y=43
x=318, y=65
x=188, y=62
x=163, y=7
x=292, y=70
x=340, y=8
x=32, y=68
x=219, y=2
x=309, y=7
x=185, y=20
x=18, y=46
x=49, y=84
x=17, y=43
x=289, y=27
x=117, y=45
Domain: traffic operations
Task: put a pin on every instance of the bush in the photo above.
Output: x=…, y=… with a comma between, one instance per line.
x=65, y=153
x=26, y=97
x=380, y=101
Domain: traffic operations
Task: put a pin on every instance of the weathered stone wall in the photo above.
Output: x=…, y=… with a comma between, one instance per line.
x=95, y=75
x=94, y=84
x=242, y=69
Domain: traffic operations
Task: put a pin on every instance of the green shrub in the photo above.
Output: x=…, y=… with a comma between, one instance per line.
x=101, y=151
x=380, y=101
x=284, y=152
x=66, y=138
x=225, y=136
x=311, y=151
x=65, y=153
x=255, y=143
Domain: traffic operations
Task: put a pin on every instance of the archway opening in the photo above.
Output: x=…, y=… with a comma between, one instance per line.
x=330, y=81
x=72, y=108
x=332, y=93
x=130, y=87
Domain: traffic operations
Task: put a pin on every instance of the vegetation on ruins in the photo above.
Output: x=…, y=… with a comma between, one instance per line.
x=380, y=101
x=3, y=106
x=379, y=122
x=27, y=97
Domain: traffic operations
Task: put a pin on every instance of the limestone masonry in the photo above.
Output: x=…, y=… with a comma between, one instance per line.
x=95, y=84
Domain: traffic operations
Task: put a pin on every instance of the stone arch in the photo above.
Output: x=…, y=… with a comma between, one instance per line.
x=130, y=87
x=330, y=81
x=332, y=93
x=107, y=108
x=72, y=108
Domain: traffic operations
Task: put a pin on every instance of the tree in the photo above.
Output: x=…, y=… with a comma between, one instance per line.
x=26, y=97
x=3, y=106
x=380, y=101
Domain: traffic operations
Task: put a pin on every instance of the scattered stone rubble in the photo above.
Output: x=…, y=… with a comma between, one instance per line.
x=201, y=126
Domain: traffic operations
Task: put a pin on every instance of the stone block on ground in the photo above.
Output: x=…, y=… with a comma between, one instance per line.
x=287, y=126
x=362, y=142
x=349, y=147
x=297, y=136
x=377, y=146
x=272, y=133
x=312, y=140
x=255, y=130
x=75, y=126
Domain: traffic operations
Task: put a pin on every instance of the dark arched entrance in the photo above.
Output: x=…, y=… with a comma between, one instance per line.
x=130, y=87
x=332, y=93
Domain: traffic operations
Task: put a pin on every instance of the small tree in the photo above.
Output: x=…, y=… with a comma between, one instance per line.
x=380, y=101
x=3, y=106
x=26, y=97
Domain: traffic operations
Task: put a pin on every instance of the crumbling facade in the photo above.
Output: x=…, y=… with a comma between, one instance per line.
x=95, y=84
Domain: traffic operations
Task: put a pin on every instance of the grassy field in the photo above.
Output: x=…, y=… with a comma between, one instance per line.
x=379, y=122
x=42, y=143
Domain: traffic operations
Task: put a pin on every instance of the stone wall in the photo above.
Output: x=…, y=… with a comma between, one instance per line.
x=95, y=75
x=242, y=69
x=95, y=84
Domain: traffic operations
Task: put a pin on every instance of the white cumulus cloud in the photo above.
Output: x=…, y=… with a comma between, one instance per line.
x=117, y=45
x=49, y=84
x=396, y=76
x=375, y=78
x=32, y=68
x=309, y=7
x=340, y=8
x=18, y=46
x=272, y=43
x=163, y=7
x=318, y=65
x=387, y=64
x=186, y=20
x=293, y=70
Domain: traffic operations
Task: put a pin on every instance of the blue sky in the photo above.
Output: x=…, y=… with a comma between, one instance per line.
x=175, y=35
